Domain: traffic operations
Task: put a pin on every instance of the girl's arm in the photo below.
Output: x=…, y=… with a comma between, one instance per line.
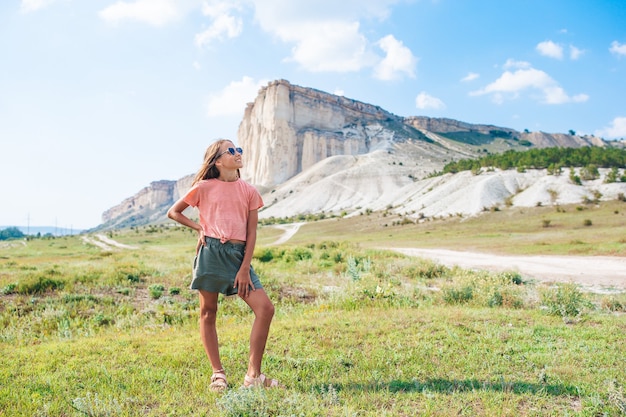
x=176, y=213
x=243, y=283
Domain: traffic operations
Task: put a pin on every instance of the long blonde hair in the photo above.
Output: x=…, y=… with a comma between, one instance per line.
x=208, y=169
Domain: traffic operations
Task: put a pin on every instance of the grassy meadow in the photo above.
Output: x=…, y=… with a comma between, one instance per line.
x=359, y=330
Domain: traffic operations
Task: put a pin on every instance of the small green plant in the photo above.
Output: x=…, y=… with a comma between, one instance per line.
x=587, y=222
x=265, y=255
x=156, y=291
x=174, y=291
x=566, y=300
x=9, y=288
x=458, y=295
x=575, y=179
x=612, y=176
x=102, y=320
x=554, y=195
x=356, y=267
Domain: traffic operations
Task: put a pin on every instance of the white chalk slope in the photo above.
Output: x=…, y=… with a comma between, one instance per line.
x=387, y=179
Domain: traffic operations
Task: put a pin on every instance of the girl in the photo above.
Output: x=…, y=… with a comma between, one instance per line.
x=228, y=209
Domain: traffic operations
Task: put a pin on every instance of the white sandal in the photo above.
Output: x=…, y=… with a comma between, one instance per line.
x=218, y=381
x=260, y=381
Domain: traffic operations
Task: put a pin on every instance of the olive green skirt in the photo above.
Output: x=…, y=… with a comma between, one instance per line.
x=216, y=265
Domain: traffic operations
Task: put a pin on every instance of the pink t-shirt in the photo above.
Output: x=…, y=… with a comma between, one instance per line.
x=224, y=207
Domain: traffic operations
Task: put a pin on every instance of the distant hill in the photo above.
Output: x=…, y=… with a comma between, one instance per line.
x=44, y=230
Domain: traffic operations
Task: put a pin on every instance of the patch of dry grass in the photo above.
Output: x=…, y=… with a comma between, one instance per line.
x=509, y=231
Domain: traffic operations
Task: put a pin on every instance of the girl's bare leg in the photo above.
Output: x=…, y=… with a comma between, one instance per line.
x=208, y=330
x=263, y=310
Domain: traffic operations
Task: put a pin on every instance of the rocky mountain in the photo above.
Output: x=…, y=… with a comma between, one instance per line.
x=149, y=205
x=309, y=151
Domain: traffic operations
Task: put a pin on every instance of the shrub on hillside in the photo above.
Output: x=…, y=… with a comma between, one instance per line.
x=462, y=295
x=39, y=285
x=566, y=300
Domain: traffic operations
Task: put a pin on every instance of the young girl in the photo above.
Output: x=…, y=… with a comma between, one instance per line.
x=228, y=207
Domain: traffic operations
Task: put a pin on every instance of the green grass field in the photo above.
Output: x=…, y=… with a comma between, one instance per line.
x=359, y=331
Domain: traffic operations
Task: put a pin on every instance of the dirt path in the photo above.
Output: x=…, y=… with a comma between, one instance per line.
x=105, y=243
x=290, y=230
x=598, y=273
x=115, y=243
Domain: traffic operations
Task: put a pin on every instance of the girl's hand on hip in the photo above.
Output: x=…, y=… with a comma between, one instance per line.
x=201, y=240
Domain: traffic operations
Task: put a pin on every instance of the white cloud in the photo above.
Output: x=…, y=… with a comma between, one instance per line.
x=575, y=53
x=326, y=34
x=550, y=49
x=223, y=23
x=470, y=77
x=153, y=12
x=511, y=84
x=232, y=100
x=425, y=101
x=399, y=60
x=511, y=63
x=27, y=6
x=618, y=48
x=328, y=46
x=616, y=130
x=273, y=14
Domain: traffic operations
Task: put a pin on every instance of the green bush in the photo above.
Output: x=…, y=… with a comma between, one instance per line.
x=264, y=255
x=39, y=285
x=458, y=295
x=9, y=288
x=128, y=273
x=566, y=300
x=297, y=254
x=426, y=269
x=156, y=290
x=505, y=297
x=615, y=303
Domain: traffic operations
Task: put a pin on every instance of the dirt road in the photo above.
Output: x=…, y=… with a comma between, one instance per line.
x=598, y=273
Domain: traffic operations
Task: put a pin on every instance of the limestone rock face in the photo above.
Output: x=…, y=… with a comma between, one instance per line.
x=443, y=125
x=148, y=204
x=151, y=197
x=546, y=140
x=289, y=128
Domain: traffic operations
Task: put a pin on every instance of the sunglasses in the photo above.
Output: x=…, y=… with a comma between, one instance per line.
x=231, y=151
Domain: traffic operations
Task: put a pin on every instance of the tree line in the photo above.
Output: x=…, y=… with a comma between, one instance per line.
x=552, y=159
x=11, y=233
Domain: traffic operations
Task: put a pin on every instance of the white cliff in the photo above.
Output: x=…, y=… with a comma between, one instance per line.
x=289, y=128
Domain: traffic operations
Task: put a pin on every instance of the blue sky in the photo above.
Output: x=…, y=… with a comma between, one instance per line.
x=99, y=98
